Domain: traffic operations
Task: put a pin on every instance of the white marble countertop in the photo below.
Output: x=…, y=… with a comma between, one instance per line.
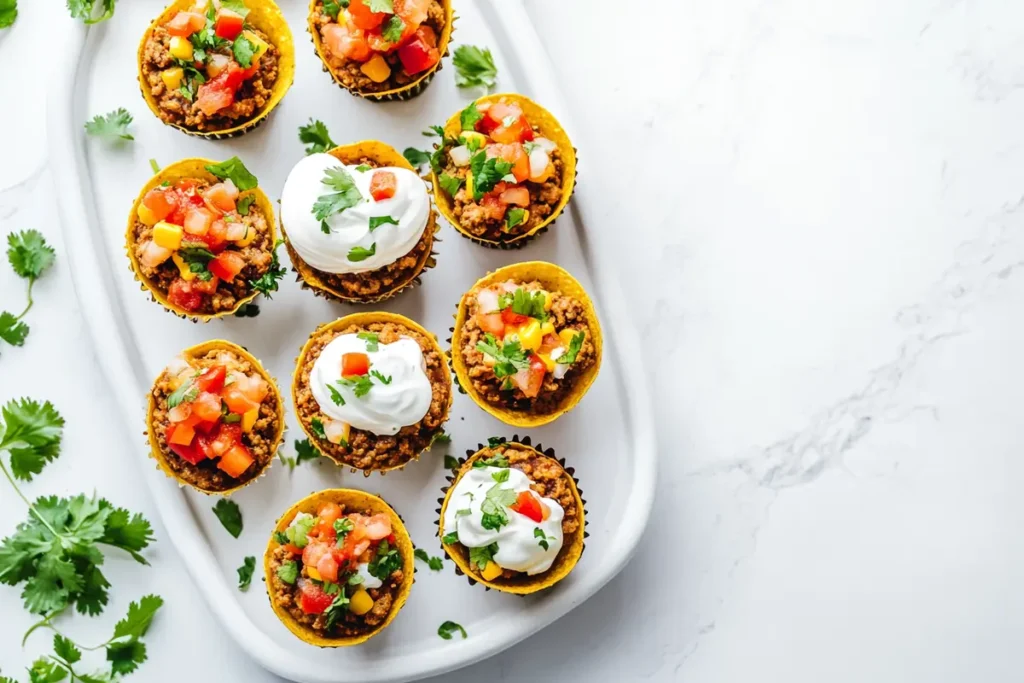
x=820, y=216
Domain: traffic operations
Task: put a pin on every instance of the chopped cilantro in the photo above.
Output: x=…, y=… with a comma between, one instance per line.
x=345, y=195
x=450, y=183
x=245, y=573
x=446, y=629
x=575, y=344
x=372, y=341
x=525, y=302
x=469, y=117
x=514, y=217
x=481, y=556
x=318, y=428
x=268, y=282
x=381, y=378
x=234, y=170
x=230, y=516
x=377, y=221
x=474, y=66
x=112, y=125
x=356, y=254
x=487, y=172
x=392, y=29
x=448, y=539
x=315, y=136
x=416, y=157
x=435, y=563
x=288, y=572
x=244, y=203
x=509, y=357
x=243, y=49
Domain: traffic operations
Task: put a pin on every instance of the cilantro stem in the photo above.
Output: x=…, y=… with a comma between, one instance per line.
x=44, y=622
x=31, y=281
x=31, y=507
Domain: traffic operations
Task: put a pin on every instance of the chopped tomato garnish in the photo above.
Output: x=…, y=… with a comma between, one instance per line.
x=217, y=238
x=212, y=379
x=184, y=450
x=207, y=427
x=549, y=343
x=181, y=295
x=184, y=24
x=228, y=24
x=236, y=461
x=222, y=196
x=219, y=93
x=329, y=512
x=491, y=322
x=203, y=444
x=528, y=505
x=237, y=401
x=419, y=54
x=354, y=364
x=312, y=599
x=532, y=379
x=227, y=436
x=293, y=549
x=159, y=203
x=362, y=17
x=226, y=265
x=492, y=207
x=519, y=196
x=412, y=11
x=510, y=317
x=515, y=154
x=198, y=220
x=382, y=185
x=205, y=287
x=206, y=406
x=327, y=568
x=348, y=41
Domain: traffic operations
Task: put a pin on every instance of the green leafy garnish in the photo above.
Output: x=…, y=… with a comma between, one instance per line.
x=501, y=476
x=318, y=428
x=345, y=195
x=372, y=341
x=525, y=302
x=469, y=116
x=496, y=461
x=288, y=572
x=481, y=556
x=91, y=12
x=315, y=136
x=450, y=183
x=29, y=256
x=335, y=610
x=435, y=563
x=112, y=125
x=187, y=392
x=298, y=531
x=336, y=396
x=333, y=8
x=474, y=66
x=487, y=172
x=495, y=502
x=392, y=29
x=509, y=358
x=416, y=157
x=236, y=6
x=448, y=539
x=356, y=254
x=342, y=526
x=544, y=538
x=243, y=49
x=381, y=378
x=441, y=437
x=495, y=441
x=244, y=203
x=514, y=217
x=280, y=537
x=268, y=282
x=448, y=628
x=230, y=516
x=234, y=170
x=8, y=12
x=304, y=452
x=451, y=462
x=575, y=344
x=377, y=221
x=385, y=562
x=245, y=573
x=380, y=6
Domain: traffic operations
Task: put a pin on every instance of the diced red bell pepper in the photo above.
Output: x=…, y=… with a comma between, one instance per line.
x=219, y=93
x=212, y=379
x=228, y=24
x=293, y=549
x=510, y=317
x=236, y=461
x=227, y=265
x=204, y=444
x=181, y=295
x=208, y=427
x=354, y=364
x=227, y=436
x=528, y=505
x=382, y=185
x=391, y=539
x=418, y=54
x=206, y=407
x=184, y=24
x=186, y=452
x=312, y=599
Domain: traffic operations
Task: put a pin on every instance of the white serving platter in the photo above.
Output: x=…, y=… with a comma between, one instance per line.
x=609, y=438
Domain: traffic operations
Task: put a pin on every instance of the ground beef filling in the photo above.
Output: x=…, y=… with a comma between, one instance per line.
x=176, y=109
x=549, y=480
x=368, y=451
x=259, y=441
x=378, y=282
x=348, y=71
x=287, y=596
x=258, y=256
x=477, y=219
x=566, y=313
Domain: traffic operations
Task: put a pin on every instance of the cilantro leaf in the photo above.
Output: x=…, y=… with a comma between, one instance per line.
x=514, y=217
x=451, y=462
x=436, y=564
x=333, y=8
x=441, y=437
x=29, y=254
x=245, y=573
x=243, y=49
x=318, y=428
x=288, y=572
x=501, y=476
x=575, y=344
x=360, y=384
x=345, y=195
x=65, y=649
x=31, y=432
x=450, y=183
x=230, y=516
x=12, y=330
x=236, y=6
x=416, y=157
x=268, y=282
x=381, y=378
x=91, y=11
x=481, y=556
x=448, y=539
x=496, y=461
x=140, y=616
x=315, y=136
x=112, y=125
x=357, y=254
x=125, y=657
x=525, y=302
x=495, y=502
x=304, y=452
x=372, y=341
x=8, y=12
x=474, y=66
x=377, y=221
x=131, y=533
x=539, y=533
x=392, y=29
x=495, y=441
x=234, y=170
x=487, y=172
x=385, y=562
x=509, y=357
x=336, y=396
x=469, y=116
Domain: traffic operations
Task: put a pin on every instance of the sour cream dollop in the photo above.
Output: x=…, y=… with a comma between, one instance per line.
x=385, y=408
x=329, y=252
x=519, y=542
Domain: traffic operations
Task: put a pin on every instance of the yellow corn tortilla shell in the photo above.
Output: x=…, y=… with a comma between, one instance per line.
x=198, y=351
x=572, y=546
x=264, y=15
x=190, y=168
x=352, y=501
x=554, y=279
x=405, y=92
x=549, y=128
x=364, y=319
x=385, y=155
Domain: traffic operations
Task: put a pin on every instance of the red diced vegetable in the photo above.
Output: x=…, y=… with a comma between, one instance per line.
x=382, y=185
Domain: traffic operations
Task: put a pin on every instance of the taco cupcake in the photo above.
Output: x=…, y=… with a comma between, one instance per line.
x=215, y=418
x=339, y=567
x=358, y=222
x=201, y=238
x=526, y=345
x=216, y=69
x=512, y=518
x=381, y=49
x=503, y=171
x=371, y=390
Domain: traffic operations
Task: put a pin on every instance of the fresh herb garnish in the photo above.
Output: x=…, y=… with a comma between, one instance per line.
x=372, y=341
x=385, y=562
x=525, y=302
x=304, y=452
x=355, y=579
x=29, y=256
x=509, y=357
x=514, y=217
x=112, y=125
x=298, y=531
x=342, y=526
x=448, y=628
x=280, y=537
x=244, y=203
x=392, y=29
x=230, y=516
x=495, y=502
x=268, y=282
x=8, y=12
x=315, y=136
x=450, y=183
x=474, y=66
x=501, y=476
x=448, y=539
x=243, y=49
x=318, y=428
x=345, y=195
x=575, y=344
x=363, y=168
x=245, y=573
x=436, y=564
x=381, y=378
x=333, y=8
x=487, y=172
x=187, y=392
x=469, y=117
x=91, y=12
x=386, y=6
x=288, y=572
x=496, y=461
x=495, y=441
x=544, y=538
x=481, y=556
x=336, y=396
x=451, y=462
x=377, y=221
x=234, y=170
x=356, y=254
x=441, y=437
x=335, y=610
x=416, y=157
x=236, y=6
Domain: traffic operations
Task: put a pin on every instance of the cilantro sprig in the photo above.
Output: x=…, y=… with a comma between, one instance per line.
x=30, y=256
x=245, y=573
x=234, y=170
x=268, y=282
x=447, y=628
x=474, y=66
x=91, y=11
x=304, y=452
x=509, y=357
x=496, y=501
x=316, y=137
x=436, y=564
x=8, y=12
x=575, y=344
x=345, y=195
x=230, y=516
x=487, y=172
x=524, y=302
x=113, y=125
x=481, y=556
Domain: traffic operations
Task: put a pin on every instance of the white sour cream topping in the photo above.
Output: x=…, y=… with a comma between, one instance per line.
x=351, y=228
x=386, y=408
x=518, y=542
x=369, y=580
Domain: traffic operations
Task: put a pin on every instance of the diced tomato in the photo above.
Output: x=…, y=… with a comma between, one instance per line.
x=212, y=379
x=226, y=265
x=327, y=567
x=382, y=185
x=313, y=552
x=159, y=203
x=180, y=412
x=345, y=40
x=534, y=377
x=184, y=450
x=378, y=43
x=312, y=599
x=227, y=436
x=378, y=527
x=219, y=93
x=206, y=406
x=491, y=322
x=181, y=295
x=236, y=461
x=418, y=54
x=222, y=196
x=182, y=434
x=362, y=17
x=198, y=221
x=205, y=287
x=516, y=155
x=216, y=240
x=391, y=539
x=228, y=24
x=329, y=512
x=184, y=24
x=492, y=207
x=203, y=444
x=510, y=317
x=412, y=11
x=207, y=427
x=519, y=196
x=293, y=549
x=256, y=388
x=237, y=401
x=354, y=364
x=506, y=123
x=528, y=505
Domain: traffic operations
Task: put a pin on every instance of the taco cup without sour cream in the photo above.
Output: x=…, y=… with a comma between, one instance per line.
x=513, y=518
x=339, y=567
x=358, y=222
x=390, y=54
x=215, y=418
x=371, y=390
x=216, y=70
x=201, y=238
x=503, y=171
x=526, y=345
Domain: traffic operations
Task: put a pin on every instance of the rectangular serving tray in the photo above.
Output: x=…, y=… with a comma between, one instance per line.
x=609, y=438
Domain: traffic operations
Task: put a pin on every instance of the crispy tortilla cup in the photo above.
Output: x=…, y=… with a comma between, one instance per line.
x=551, y=129
x=353, y=501
x=365, y=319
x=553, y=278
x=405, y=92
x=266, y=16
x=523, y=584
x=313, y=279
x=190, y=168
x=157, y=452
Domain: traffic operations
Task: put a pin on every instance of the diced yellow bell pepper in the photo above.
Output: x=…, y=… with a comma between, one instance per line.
x=173, y=77
x=181, y=48
x=546, y=359
x=469, y=183
x=470, y=135
x=250, y=237
x=549, y=298
x=147, y=216
x=360, y=603
x=566, y=335
x=249, y=419
x=313, y=573
x=547, y=327
x=530, y=336
x=261, y=45
x=167, y=235
x=491, y=571
x=376, y=69
x=186, y=273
